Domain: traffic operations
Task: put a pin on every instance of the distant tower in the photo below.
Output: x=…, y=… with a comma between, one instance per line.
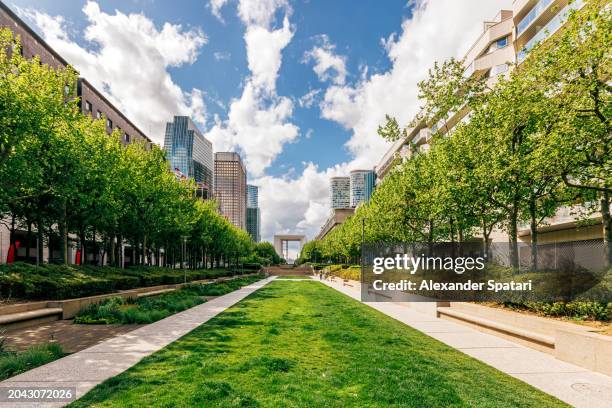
x=230, y=187
x=362, y=184
x=340, y=192
x=190, y=153
x=253, y=216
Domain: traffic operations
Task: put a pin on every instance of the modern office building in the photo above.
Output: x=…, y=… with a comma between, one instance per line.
x=230, y=188
x=253, y=215
x=190, y=153
x=91, y=101
x=252, y=196
x=340, y=192
x=362, y=183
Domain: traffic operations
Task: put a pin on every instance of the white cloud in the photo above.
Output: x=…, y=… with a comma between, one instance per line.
x=258, y=126
x=309, y=133
x=299, y=205
x=264, y=48
x=129, y=61
x=221, y=56
x=215, y=7
x=328, y=65
x=261, y=12
x=437, y=30
x=308, y=99
x=258, y=123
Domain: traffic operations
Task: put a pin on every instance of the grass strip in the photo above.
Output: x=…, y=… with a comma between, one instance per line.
x=302, y=344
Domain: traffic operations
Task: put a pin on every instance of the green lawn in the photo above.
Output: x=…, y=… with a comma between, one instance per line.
x=302, y=344
x=294, y=277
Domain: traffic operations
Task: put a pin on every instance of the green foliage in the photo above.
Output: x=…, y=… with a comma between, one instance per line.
x=267, y=254
x=61, y=173
x=572, y=310
x=147, y=310
x=537, y=139
x=13, y=363
x=24, y=281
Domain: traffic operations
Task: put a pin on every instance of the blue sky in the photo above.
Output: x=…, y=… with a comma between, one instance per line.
x=355, y=27
x=242, y=70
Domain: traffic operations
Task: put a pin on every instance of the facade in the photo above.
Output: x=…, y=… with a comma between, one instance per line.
x=253, y=223
x=340, y=192
x=91, y=101
x=230, y=188
x=253, y=215
x=190, y=153
x=252, y=196
x=362, y=184
x=337, y=217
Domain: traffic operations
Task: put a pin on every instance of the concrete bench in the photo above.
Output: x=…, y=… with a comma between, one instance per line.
x=529, y=335
x=30, y=318
x=155, y=292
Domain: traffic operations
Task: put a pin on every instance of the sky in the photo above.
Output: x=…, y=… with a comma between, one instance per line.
x=297, y=87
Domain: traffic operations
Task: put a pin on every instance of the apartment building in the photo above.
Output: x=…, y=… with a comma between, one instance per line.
x=503, y=44
x=91, y=101
x=230, y=187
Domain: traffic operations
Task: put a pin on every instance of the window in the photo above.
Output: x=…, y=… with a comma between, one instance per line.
x=98, y=115
x=88, y=107
x=502, y=42
x=500, y=69
x=126, y=138
x=109, y=123
x=498, y=44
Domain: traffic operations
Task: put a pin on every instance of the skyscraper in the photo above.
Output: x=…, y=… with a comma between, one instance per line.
x=362, y=184
x=190, y=153
x=253, y=216
x=340, y=192
x=231, y=187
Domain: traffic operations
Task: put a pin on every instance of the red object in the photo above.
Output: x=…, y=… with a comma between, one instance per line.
x=77, y=258
x=10, y=257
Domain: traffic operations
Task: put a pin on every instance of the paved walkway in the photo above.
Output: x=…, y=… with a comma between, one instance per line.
x=575, y=385
x=72, y=337
x=91, y=366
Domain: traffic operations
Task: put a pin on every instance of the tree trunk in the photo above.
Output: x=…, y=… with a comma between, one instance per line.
x=534, y=234
x=39, y=242
x=513, y=232
x=63, y=233
x=607, y=228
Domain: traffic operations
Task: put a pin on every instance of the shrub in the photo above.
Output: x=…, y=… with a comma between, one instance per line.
x=13, y=363
x=151, y=309
x=56, y=282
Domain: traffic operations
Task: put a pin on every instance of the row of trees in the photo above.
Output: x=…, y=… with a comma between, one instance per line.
x=538, y=139
x=62, y=175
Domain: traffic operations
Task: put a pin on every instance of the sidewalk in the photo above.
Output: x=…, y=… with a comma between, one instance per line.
x=88, y=368
x=574, y=385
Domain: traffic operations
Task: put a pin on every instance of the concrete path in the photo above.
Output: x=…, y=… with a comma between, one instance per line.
x=89, y=367
x=575, y=385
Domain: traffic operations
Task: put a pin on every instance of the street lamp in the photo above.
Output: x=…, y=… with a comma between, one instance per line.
x=363, y=220
x=183, y=250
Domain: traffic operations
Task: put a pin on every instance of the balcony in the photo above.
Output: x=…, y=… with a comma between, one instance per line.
x=532, y=15
x=423, y=136
x=549, y=29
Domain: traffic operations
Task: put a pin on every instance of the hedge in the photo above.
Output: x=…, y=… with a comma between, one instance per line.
x=56, y=282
